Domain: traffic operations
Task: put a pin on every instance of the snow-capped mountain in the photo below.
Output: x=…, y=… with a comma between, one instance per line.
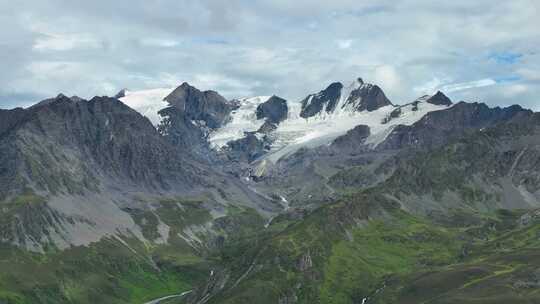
x=316, y=120
x=243, y=119
x=321, y=117
x=147, y=102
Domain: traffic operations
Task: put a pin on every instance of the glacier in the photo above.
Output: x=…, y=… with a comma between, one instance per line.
x=295, y=132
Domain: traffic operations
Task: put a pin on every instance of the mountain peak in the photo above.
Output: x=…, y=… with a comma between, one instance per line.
x=185, y=84
x=439, y=99
x=207, y=106
x=275, y=109
x=323, y=101
x=358, y=96
x=365, y=97
x=61, y=96
x=121, y=93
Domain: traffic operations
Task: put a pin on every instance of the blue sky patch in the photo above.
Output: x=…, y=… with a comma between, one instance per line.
x=505, y=57
x=507, y=79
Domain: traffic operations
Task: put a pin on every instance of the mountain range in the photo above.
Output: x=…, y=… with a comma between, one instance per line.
x=341, y=197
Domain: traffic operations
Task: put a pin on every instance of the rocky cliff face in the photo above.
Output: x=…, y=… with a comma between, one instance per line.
x=353, y=140
x=437, y=127
x=366, y=97
x=208, y=107
x=76, y=166
x=358, y=96
x=439, y=99
x=324, y=101
x=191, y=115
x=274, y=110
x=64, y=144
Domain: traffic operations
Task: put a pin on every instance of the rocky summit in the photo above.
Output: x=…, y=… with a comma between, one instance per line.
x=177, y=195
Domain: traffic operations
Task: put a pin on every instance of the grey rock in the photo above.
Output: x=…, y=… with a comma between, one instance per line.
x=326, y=100
x=439, y=99
x=438, y=127
x=248, y=148
x=267, y=127
x=120, y=94
x=207, y=106
x=353, y=140
x=367, y=97
x=275, y=110
x=192, y=114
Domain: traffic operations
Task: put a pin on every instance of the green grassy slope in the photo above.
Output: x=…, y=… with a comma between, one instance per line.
x=366, y=247
x=120, y=269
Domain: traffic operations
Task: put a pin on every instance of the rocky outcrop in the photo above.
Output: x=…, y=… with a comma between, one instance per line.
x=439, y=99
x=208, y=107
x=248, y=148
x=324, y=101
x=267, y=128
x=353, y=140
x=120, y=94
x=366, y=97
x=192, y=114
x=274, y=110
x=359, y=96
x=9, y=118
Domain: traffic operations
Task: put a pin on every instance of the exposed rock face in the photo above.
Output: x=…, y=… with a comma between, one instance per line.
x=367, y=97
x=120, y=94
x=275, y=110
x=8, y=119
x=68, y=146
x=359, y=96
x=192, y=114
x=208, y=106
x=267, y=128
x=354, y=140
x=249, y=148
x=438, y=127
x=182, y=132
x=326, y=100
x=439, y=99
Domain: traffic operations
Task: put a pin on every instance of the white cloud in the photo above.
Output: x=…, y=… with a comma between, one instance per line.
x=345, y=44
x=59, y=42
x=453, y=87
x=515, y=90
x=529, y=74
x=387, y=77
x=429, y=87
x=448, y=86
x=160, y=42
x=269, y=47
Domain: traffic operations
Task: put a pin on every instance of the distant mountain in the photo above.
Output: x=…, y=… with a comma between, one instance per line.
x=358, y=96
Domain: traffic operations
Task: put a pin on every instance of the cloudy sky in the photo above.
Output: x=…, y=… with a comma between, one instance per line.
x=472, y=50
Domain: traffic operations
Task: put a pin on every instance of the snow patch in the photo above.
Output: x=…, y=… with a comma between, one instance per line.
x=148, y=102
x=322, y=129
x=243, y=119
x=297, y=132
